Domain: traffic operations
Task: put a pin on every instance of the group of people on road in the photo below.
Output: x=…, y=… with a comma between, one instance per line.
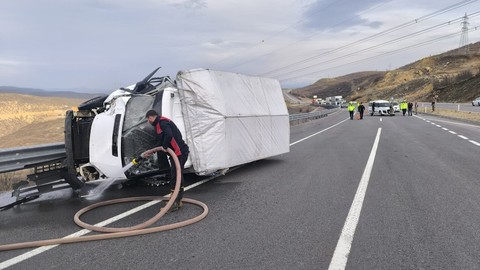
x=404, y=107
x=351, y=110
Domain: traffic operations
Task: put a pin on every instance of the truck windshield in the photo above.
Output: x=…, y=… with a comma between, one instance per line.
x=137, y=133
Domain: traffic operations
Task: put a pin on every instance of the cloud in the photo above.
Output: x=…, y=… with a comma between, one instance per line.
x=111, y=43
x=8, y=69
x=339, y=14
x=188, y=4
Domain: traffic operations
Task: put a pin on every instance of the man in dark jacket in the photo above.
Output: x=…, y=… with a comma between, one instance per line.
x=410, y=108
x=169, y=136
x=361, y=110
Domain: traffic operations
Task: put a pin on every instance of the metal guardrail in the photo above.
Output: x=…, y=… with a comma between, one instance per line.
x=13, y=159
x=302, y=117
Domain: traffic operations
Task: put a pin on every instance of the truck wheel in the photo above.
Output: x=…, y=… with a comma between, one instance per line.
x=96, y=102
x=71, y=172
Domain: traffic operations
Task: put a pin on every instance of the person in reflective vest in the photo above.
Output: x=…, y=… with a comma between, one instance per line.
x=403, y=107
x=351, y=109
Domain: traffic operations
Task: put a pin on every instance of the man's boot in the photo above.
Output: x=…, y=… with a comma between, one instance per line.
x=178, y=201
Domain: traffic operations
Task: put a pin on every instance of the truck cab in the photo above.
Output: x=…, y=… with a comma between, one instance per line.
x=107, y=132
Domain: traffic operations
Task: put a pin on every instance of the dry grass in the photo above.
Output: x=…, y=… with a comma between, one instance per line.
x=36, y=133
x=29, y=120
x=7, y=180
x=33, y=114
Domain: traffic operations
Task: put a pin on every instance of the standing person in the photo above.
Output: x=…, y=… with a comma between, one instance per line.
x=410, y=108
x=403, y=107
x=351, y=109
x=169, y=136
x=433, y=103
x=416, y=108
x=361, y=109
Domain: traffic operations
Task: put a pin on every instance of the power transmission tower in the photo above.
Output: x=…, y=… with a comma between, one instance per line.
x=464, y=36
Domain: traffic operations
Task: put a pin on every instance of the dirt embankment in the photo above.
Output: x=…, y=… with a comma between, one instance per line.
x=30, y=120
x=453, y=76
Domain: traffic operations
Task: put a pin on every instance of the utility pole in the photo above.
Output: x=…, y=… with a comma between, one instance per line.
x=464, y=36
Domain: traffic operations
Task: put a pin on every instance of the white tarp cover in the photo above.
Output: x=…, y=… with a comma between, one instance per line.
x=232, y=119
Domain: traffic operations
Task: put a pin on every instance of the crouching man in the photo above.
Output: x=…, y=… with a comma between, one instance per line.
x=169, y=136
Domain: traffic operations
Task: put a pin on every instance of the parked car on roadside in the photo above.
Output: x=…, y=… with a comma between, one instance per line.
x=476, y=102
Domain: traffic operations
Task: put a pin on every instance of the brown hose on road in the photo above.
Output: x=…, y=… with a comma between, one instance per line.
x=126, y=231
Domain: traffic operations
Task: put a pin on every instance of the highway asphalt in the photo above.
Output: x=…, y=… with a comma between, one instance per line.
x=389, y=192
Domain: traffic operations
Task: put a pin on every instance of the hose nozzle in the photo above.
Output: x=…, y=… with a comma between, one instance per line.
x=137, y=160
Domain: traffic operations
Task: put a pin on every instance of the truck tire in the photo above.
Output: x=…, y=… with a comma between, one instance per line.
x=71, y=172
x=96, y=102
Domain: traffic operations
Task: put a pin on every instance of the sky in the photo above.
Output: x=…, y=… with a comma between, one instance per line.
x=101, y=45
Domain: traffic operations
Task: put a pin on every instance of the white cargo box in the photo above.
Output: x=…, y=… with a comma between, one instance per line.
x=232, y=119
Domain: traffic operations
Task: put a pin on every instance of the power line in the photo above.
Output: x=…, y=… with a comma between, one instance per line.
x=426, y=30
x=309, y=37
x=274, y=35
x=390, y=30
x=380, y=55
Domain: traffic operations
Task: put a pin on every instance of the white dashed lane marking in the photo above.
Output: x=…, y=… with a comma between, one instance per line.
x=474, y=142
x=450, y=131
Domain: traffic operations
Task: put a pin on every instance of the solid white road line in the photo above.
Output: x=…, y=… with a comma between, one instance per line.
x=40, y=250
x=340, y=255
x=321, y=131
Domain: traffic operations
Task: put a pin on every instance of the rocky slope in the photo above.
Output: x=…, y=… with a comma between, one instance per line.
x=452, y=76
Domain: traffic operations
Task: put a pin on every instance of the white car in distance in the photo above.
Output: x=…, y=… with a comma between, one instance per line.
x=476, y=102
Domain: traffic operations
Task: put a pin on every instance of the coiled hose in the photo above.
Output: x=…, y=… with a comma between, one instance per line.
x=125, y=231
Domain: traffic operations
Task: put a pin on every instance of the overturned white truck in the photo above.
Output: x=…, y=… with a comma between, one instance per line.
x=227, y=119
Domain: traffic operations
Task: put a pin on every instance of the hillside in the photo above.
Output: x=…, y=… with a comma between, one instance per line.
x=453, y=76
x=45, y=93
x=31, y=120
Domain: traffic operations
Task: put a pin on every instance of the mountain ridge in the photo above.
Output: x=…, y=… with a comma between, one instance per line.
x=47, y=93
x=452, y=76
